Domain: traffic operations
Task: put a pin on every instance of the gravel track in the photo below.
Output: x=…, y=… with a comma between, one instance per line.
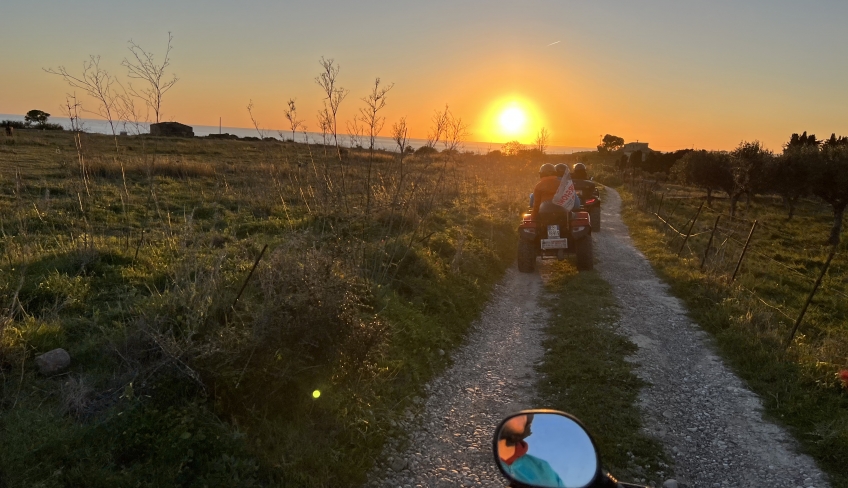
x=705, y=416
x=492, y=375
x=709, y=422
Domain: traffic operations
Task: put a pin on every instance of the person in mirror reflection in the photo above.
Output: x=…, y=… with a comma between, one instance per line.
x=512, y=451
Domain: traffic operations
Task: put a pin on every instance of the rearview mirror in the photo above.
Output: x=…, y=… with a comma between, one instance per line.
x=546, y=449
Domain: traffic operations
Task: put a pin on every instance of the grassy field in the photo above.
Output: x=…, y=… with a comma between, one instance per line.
x=131, y=256
x=751, y=318
x=585, y=372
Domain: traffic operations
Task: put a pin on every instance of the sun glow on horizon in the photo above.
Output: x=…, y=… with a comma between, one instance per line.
x=511, y=119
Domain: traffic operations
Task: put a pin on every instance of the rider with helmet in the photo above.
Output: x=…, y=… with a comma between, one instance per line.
x=582, y=184
x=546, y=188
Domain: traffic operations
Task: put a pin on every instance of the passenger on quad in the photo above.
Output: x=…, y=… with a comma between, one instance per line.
x=561, y=169
x=546, y=188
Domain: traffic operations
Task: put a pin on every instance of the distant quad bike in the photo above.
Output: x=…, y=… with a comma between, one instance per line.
x=591, y=199
x=553, y=233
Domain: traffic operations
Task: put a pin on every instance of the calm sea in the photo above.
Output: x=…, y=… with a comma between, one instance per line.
x=102, y=127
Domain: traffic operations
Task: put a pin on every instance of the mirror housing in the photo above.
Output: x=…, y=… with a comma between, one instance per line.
x=561, y=453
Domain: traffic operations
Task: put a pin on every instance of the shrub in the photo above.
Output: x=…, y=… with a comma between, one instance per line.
x=15, y=124
x=425, y=151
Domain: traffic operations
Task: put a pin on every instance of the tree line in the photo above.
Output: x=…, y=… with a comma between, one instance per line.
x=806, y=167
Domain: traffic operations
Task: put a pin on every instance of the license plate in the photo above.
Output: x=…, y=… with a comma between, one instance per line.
x=553, y=231
x=554, y=243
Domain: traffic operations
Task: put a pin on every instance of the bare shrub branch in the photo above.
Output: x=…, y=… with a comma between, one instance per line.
x=97, y=83
x=291, y=115
x=334, y=95
x=152, y=74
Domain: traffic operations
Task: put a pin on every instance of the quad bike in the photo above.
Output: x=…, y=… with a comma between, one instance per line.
x=591, y=201
x=552, y=234
x=550, y=449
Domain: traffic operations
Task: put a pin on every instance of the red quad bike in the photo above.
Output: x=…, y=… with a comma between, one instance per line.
x=553, y=233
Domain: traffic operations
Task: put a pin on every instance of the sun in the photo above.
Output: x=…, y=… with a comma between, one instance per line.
x=512, y=120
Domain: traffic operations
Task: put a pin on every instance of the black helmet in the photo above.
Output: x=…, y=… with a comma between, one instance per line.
x=547, y=169
x=561, y=169
x=579, y=171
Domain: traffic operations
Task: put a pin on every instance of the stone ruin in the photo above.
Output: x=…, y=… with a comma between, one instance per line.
x=171, y=129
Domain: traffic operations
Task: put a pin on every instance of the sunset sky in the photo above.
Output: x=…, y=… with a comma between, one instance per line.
x=675, y=73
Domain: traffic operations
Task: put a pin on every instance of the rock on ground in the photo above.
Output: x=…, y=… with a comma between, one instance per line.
x=450, y=442
x=710, y=423
x=53, y=362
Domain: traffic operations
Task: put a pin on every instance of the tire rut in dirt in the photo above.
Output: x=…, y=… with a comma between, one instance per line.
x=492, y=375
x=710, y=423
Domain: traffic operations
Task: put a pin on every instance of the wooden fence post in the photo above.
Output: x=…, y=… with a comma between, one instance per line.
x=810, y=298
x=709, y=243
x=244, y=285
x=673, y=210
x=689, y=232
x=659, y=207
x=744, y=249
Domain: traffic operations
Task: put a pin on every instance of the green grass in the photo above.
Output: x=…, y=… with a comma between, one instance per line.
x=586, y=373
x=798, y=387
x=135, y=277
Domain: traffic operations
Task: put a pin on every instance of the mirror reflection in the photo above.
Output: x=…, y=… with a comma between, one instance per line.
x=546, y=450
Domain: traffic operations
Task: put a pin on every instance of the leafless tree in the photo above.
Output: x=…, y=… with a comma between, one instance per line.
x=369, y=115
x=291, y=116
x=455, y=133
x=143, y=67
x=354, y=132
x=400, y=134
x=325, y=123
x=130, y=115
x=334, y=96
x=97, y=83
x=437, y=131
x=259, y=131
x=542, y=140
x=73, y=108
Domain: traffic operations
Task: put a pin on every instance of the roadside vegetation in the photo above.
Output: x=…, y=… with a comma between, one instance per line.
x=188, y=368
x=585, y=372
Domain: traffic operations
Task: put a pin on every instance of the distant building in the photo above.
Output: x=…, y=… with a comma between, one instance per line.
x=632, y=147
x=171, y=129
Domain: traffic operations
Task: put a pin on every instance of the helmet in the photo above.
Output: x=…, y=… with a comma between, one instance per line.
x=561, y=169
x=579, y=171
x=547, y=169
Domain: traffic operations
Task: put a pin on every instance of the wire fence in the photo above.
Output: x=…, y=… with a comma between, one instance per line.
x=746, y=254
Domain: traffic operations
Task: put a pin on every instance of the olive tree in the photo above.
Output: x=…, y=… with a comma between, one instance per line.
x=829, y=181
x=710, y=170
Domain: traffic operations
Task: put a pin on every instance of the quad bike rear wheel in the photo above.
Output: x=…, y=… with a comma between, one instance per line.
x=526, y=256
x=595, y=218
x=583, y=249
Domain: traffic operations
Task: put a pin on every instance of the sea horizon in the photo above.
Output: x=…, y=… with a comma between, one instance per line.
x=100, y=126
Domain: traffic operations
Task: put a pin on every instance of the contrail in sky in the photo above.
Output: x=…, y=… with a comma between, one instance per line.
x=551, y=44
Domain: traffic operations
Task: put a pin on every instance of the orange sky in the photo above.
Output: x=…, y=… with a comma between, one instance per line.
x=706, y=75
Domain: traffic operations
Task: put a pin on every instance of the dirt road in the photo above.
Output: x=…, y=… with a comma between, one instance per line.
x=492, y=375
x=708, y=421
